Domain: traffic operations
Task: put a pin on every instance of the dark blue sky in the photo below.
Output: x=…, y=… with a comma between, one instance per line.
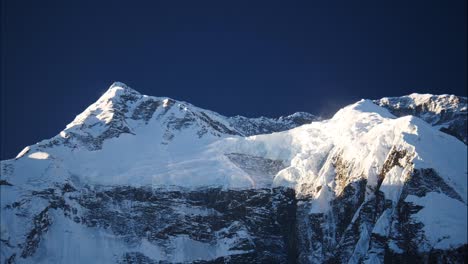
x=234, y=57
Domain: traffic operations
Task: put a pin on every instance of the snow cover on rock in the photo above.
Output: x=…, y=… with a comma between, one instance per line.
x=129, y=139
x=363, y=134
x=440, y=215
x=447, y=113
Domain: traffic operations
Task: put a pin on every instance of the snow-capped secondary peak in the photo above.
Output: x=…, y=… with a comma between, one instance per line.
x=433, y=103
x=447, y=113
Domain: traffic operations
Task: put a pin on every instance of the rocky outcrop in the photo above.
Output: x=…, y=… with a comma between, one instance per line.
x=264, y=125
x=363, y=225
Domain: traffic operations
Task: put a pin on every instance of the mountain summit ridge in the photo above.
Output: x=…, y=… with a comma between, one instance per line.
x=122, y=110
x=119, y=99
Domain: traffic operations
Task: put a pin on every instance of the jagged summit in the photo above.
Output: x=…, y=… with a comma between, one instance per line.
x=119, y=85
x=117, y=90
x=431, y=102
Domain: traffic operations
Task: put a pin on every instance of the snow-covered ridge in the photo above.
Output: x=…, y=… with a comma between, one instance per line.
x=121, y=98
x=264, y=125
x=432, y=103
x=122, y=110
x=362, y=134
x=445, y=112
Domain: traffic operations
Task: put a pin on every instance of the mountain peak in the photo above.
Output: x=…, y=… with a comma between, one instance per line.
x=117, y=92
x=120, y=85
x=117, y=89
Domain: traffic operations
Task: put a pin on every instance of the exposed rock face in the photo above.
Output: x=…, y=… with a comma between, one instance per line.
x=446, y=112
x=212, y=224
x=365, y=226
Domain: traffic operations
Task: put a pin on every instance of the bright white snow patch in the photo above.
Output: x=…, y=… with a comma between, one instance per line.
x=39, y=155
x=24, y=151
x=64, y=134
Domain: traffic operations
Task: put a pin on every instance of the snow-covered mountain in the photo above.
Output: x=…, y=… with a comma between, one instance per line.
x=141, y=179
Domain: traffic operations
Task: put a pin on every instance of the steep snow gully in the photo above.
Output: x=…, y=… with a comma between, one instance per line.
x=143, y=179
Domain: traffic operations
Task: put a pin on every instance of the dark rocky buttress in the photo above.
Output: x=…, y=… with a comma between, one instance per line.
x=254, y=226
